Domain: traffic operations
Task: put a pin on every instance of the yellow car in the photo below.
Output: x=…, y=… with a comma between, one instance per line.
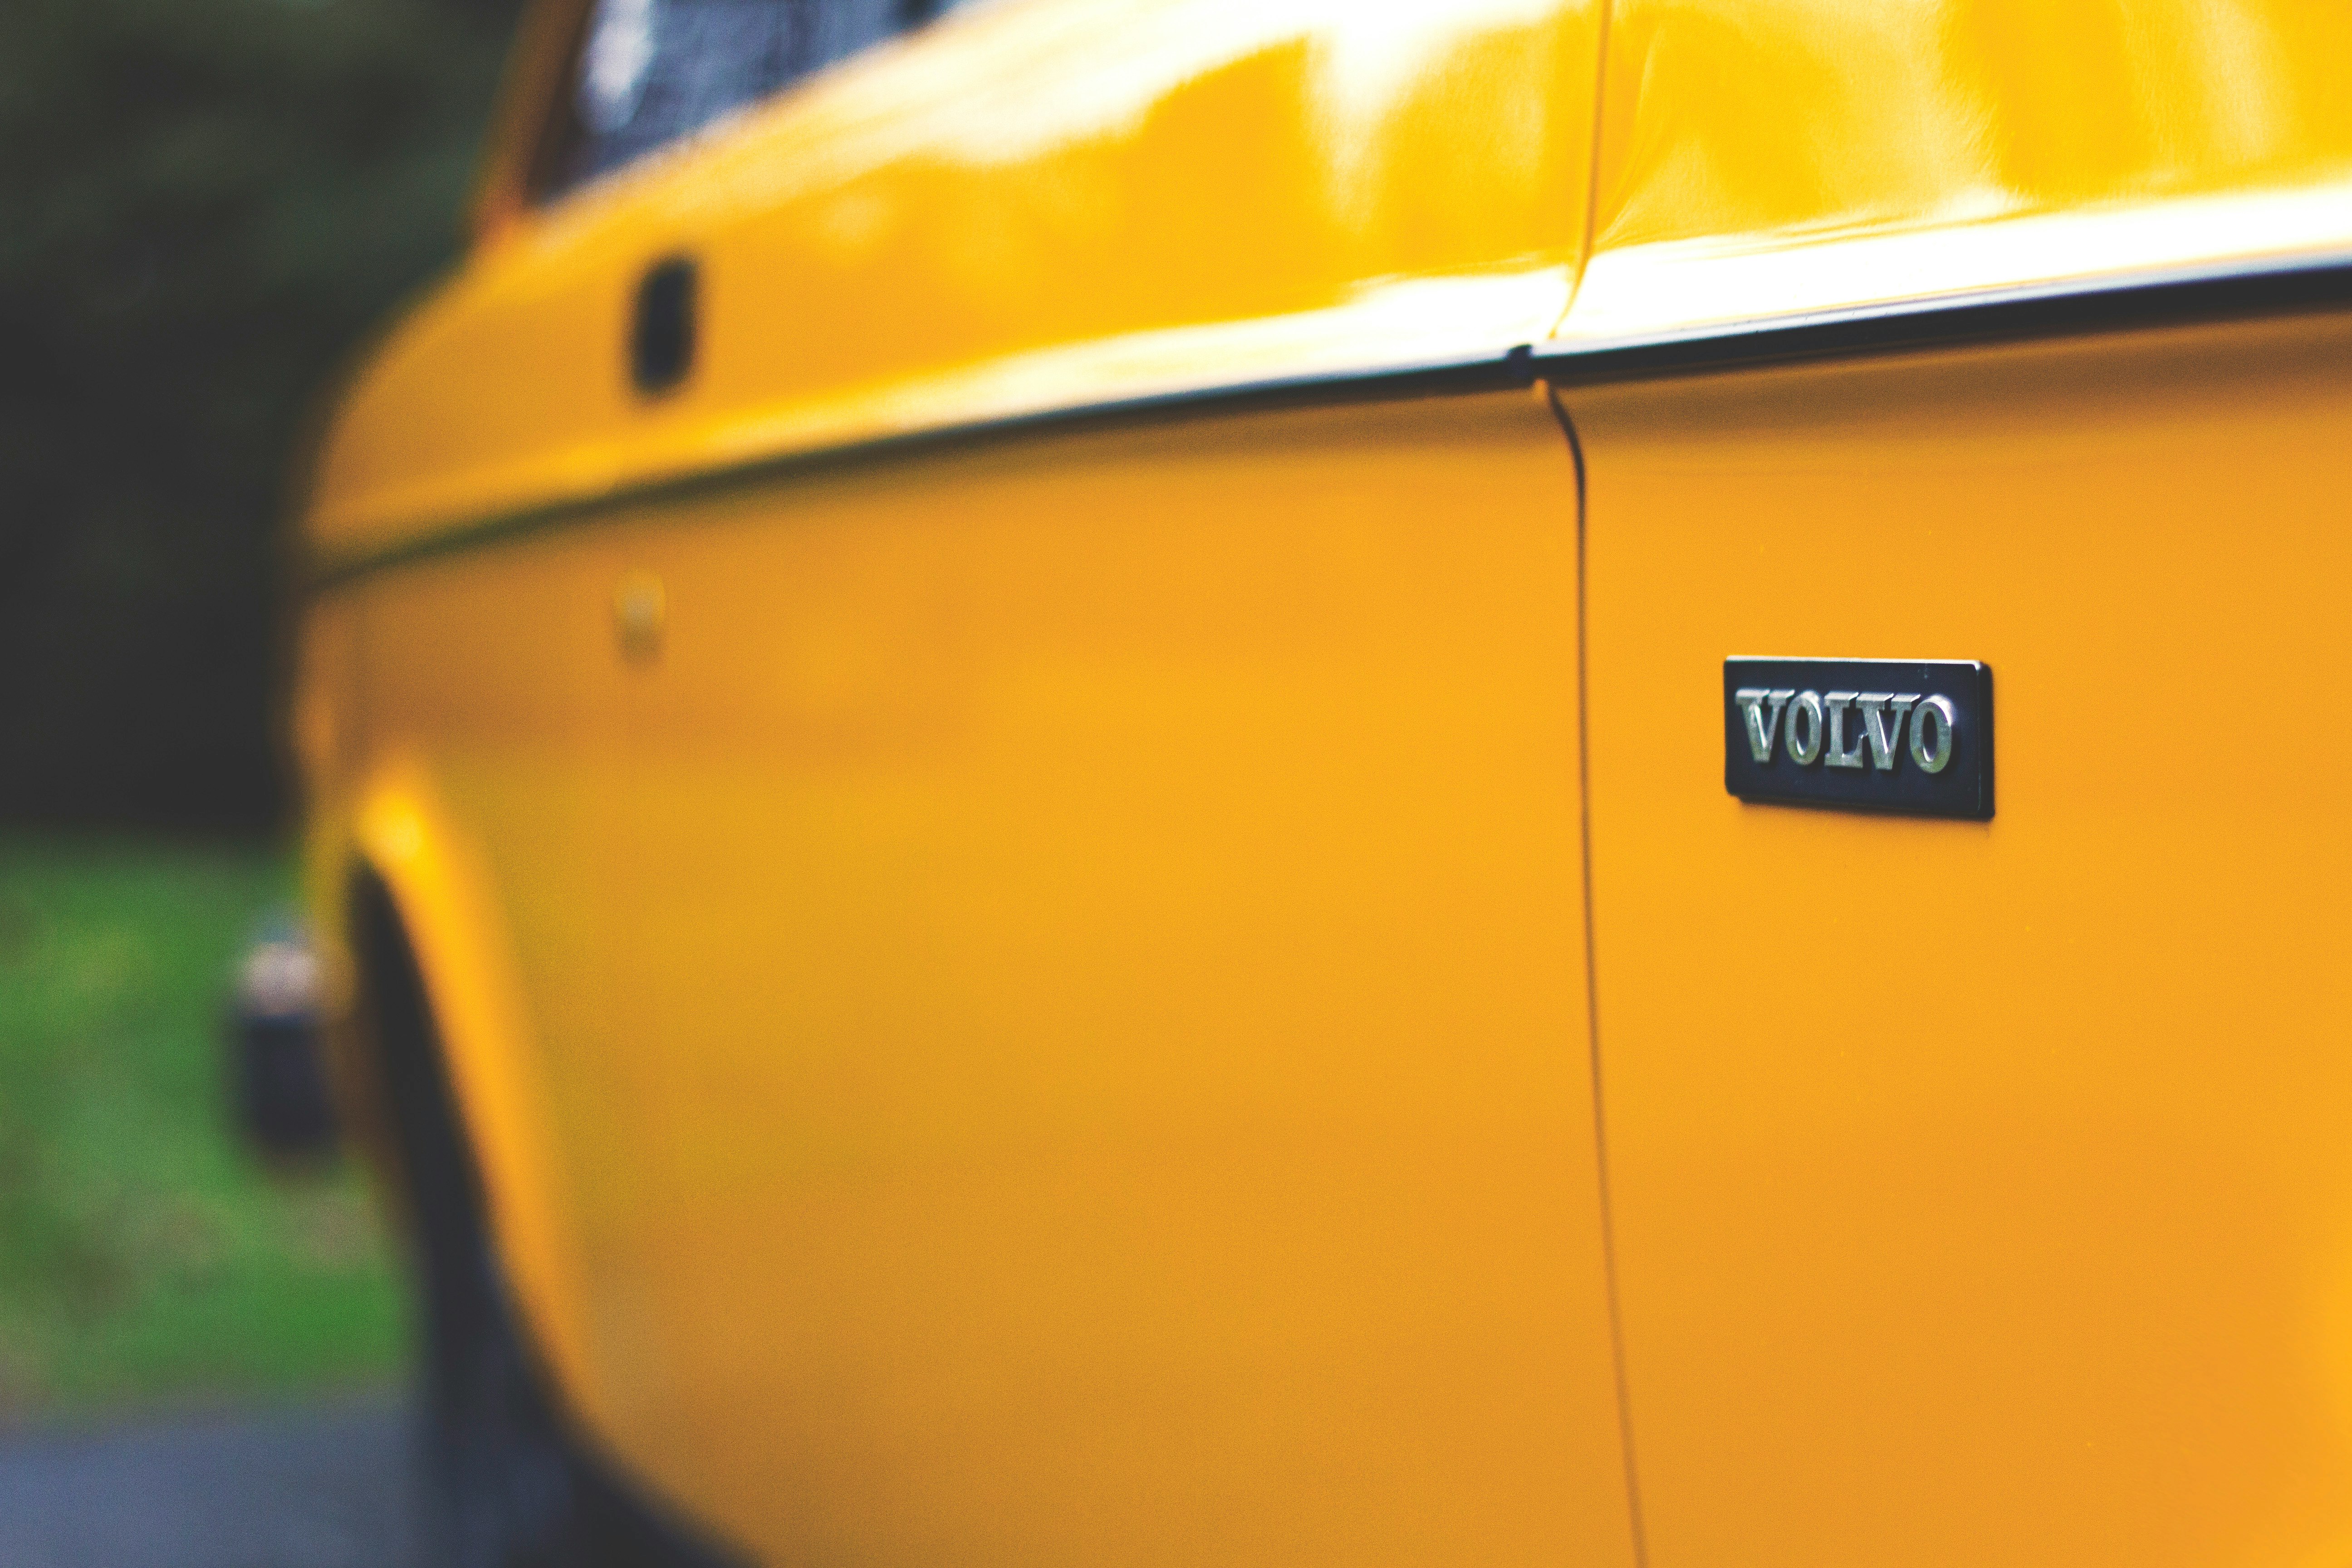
x=1213, y=781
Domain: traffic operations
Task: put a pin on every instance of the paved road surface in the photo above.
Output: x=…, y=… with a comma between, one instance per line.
x=326, y=1487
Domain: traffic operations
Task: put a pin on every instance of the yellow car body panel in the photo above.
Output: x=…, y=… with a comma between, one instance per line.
x=1980, y=1189
x=1023, y=209
x=1070, y=995
x=1771, y=158
x=1977, y=1189
x=869, y=1212
x=1081, y=899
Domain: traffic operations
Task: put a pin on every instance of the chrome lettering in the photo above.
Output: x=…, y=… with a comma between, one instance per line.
x=1762, y=728
x=1807, y=707
x=1840, y=754
x=1932, y=756
x=1885, y=738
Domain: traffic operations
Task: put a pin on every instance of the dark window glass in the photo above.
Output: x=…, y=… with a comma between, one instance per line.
x=653, y=70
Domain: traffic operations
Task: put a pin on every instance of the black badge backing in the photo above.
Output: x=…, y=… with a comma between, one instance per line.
x=1861, y=734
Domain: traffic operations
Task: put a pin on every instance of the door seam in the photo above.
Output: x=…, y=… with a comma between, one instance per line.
x=1592, y=993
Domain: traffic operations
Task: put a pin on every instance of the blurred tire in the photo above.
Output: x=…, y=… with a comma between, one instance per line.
x=508, y=1484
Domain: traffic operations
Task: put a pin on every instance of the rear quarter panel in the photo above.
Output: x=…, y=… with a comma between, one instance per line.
x=1980, y=1190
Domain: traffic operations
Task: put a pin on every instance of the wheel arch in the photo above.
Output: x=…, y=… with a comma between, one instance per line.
x=396, y=844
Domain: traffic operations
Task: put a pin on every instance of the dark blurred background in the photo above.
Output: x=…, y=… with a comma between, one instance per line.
x=204, y=206
x=207, y=207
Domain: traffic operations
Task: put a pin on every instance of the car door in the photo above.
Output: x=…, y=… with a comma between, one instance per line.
x=1110, y=908
x=1978, y=1187
x=1108, y=893
x=1094, y=955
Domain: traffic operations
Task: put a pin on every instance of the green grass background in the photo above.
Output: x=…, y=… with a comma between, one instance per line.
x=145, y=1256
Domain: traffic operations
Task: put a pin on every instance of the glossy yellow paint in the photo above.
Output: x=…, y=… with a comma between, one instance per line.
x=883, y=248
x=1977, y=1190
x=1063, y=1012
x=1047, y=1016
x=1980, y=1191
x=1022, y=208
x=1762, y=158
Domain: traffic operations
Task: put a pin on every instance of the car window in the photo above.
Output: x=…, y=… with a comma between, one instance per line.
x=650, y=71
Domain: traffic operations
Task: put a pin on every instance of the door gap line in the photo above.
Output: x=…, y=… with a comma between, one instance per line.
x=1592, y=994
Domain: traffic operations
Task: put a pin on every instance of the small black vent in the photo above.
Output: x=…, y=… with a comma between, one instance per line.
x=661, y=339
